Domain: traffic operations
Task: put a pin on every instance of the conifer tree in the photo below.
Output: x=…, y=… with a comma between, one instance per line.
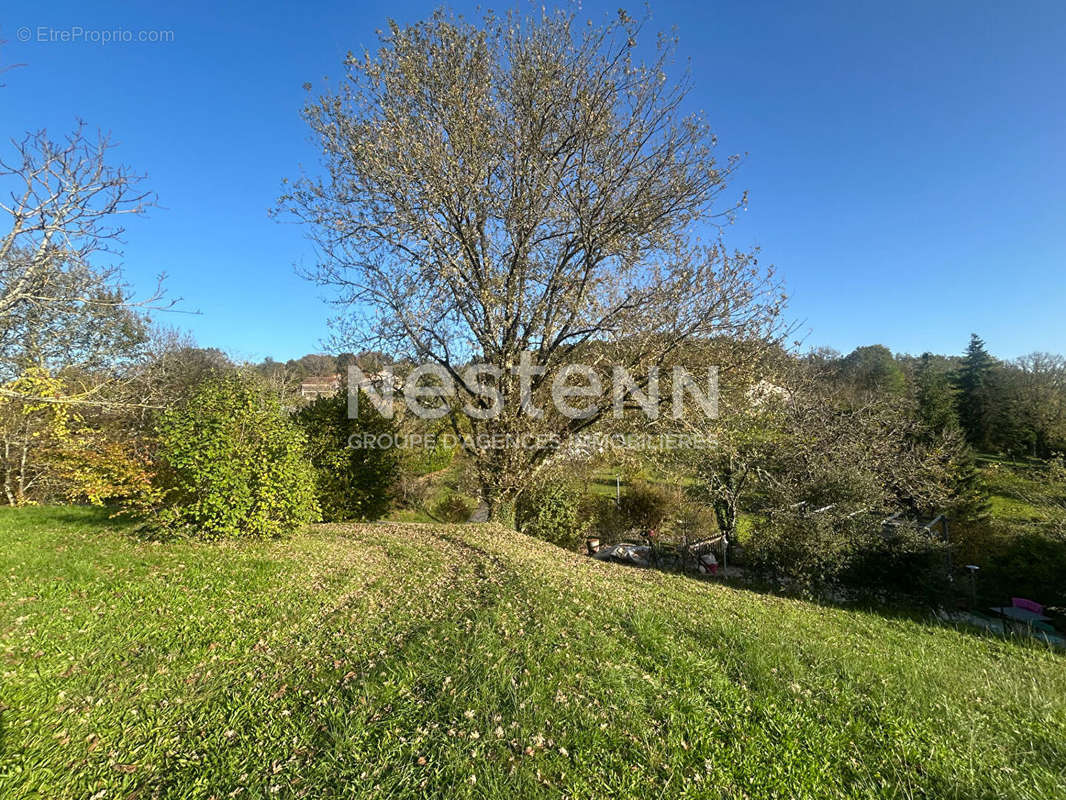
x=936, y=396
x=972, y=382
x=969, y=498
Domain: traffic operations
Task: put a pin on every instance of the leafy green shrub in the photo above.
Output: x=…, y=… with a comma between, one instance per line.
x=453, y=508
x=602, y=517
x=643, y=507
x=902, y=563
x=820, y=554
x=694, y=520
x=233, y=463
x=420, y=461
x=646, y=506
x=803, y=553
x=552, y=512
x=354, y=463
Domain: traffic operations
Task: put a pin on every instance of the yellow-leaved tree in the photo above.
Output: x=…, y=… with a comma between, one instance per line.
x=36, y=427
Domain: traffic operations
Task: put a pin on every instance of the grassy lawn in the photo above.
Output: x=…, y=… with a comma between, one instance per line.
x=468, y=661
x=1021, y=491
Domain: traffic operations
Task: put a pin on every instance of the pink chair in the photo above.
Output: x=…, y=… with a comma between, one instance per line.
x=1028, y=605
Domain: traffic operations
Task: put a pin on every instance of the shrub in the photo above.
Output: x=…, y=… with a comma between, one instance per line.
x=351, y=482
x=643, y=507
x=419, y=461
x=552, y=512
x=695, y=520
x=902, y=563
x=1056, y=471
x=34, y=429
x=100, y=469
x=1030, y=564
x=646, y=506
x=802, y=553
x=823, y=554
x=233, y=463
x=453, y=508
x=603, y=518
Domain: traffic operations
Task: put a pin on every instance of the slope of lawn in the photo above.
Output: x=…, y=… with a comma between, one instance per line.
x=1022, y=492
x=468, y=661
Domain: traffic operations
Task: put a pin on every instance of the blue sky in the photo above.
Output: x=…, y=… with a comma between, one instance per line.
x=905, y=161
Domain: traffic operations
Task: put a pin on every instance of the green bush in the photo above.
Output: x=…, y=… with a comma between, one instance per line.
x=803, y=553
x=603, y=518
x=1030, y=564
x=695, y=520
x=646, y=506
x=903, y=563
x=821, y=554
x=643, y=507
x=552, y=512
x=354, y=463
x=453, y=508
x=232, y=464
x=420, y=461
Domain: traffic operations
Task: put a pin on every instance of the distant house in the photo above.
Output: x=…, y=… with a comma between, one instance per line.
x=320, y=386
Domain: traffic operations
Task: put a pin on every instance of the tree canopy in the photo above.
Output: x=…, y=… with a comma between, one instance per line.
x=524, y=185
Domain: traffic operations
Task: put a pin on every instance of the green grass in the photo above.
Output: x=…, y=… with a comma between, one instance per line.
x=1022, y=492
x=468, y=661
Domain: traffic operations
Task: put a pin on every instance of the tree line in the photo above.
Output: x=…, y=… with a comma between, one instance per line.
x=1015, y=407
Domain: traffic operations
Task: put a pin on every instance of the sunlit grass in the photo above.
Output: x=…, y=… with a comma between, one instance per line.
x=1022, y=492
x=427, y=660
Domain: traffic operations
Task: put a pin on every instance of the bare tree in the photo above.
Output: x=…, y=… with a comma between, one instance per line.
x=6, y=67
x=524, y=185
x=64, y=204
x=798, y=437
